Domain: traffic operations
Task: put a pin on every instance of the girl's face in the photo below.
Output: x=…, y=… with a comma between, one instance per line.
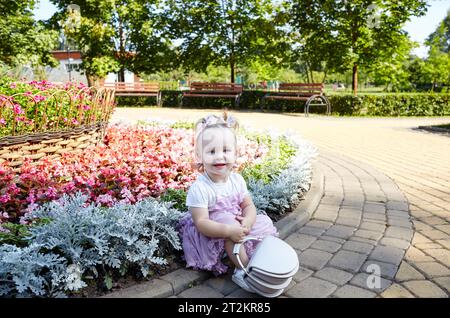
x=218, y=152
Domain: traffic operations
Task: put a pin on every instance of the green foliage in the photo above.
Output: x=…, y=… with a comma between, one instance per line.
x=392, y=70
x=340, y=35
x=177, y=197
x=182, y=124
x=277, y=159
x=18, y=234
x=224, y=32
x=107, y=31
x=43, y=106
x=24, y=41
x=14, y=234
x=391, y=104
x=441, y=36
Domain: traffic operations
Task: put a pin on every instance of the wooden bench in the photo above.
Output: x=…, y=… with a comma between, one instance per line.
x=136, y=89
x=312, y=93
x=221, y=90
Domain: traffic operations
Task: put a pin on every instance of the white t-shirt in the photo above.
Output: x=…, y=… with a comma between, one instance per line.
x=202, y=193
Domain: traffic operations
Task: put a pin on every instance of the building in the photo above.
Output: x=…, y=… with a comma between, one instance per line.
x=68, y=68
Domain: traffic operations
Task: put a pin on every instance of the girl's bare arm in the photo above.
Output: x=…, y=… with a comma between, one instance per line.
x=210, y=228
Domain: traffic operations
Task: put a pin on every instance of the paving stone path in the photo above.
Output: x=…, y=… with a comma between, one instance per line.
x=386, y=206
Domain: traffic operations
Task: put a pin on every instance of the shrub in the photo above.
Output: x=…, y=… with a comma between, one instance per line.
x=286, y=188
x=177, y=197
x=83, y=239
x=392, y=104
x=277, y=159
x=27, y=272
x=423, y=104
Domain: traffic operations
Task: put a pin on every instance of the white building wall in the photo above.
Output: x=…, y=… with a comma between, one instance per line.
x=61, y=74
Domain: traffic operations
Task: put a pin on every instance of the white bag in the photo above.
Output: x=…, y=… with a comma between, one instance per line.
x=271, y=267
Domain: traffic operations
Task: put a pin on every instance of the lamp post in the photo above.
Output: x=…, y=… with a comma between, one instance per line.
x=69, y=66
x=70, y=69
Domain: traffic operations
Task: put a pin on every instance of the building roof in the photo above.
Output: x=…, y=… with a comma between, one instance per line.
x=64, y=55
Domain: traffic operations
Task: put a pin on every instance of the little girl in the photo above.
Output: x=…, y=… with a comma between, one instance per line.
x=222, y=212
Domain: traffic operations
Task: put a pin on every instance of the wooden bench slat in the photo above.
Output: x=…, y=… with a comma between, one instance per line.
x=136, y=89
x=223, y=90
x=308, y=92
x=288, y=97
x=208, y=95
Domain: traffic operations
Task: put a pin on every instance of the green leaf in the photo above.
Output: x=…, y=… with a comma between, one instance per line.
x=108, y=281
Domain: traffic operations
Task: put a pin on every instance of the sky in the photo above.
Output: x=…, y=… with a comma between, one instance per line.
x=417, y=28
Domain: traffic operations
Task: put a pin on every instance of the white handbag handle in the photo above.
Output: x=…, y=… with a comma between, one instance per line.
x=237, y=248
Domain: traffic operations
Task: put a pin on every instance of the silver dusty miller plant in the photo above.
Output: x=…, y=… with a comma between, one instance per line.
x=287, y=188
x=82, y=236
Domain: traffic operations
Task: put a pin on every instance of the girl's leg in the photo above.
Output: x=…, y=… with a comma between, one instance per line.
x=229, y=244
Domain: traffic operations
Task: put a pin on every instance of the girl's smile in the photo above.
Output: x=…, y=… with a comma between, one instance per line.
x=218, y=153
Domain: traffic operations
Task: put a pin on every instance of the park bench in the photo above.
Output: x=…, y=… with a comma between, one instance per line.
x=136, y=89
x=219, y=90
x=311, y=93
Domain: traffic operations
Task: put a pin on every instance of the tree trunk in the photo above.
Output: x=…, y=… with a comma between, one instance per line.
x=90, y=80
x=307, y=73
x=355, y=80
x=121, y=75
x=232, y=69
x=94, y=81
x=324, y=76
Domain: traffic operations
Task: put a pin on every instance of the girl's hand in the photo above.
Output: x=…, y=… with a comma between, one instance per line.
x=245, y=222
x=237, y=233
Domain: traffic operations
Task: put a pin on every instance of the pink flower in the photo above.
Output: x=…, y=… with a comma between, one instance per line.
x=13, y=85
x=105, y=199
x=4, y=198
x=39, y=98
x=18, y=110
x=2, y=121
x=75, y=122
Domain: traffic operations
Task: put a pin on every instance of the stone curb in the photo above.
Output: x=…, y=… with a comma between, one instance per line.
x=181, y=279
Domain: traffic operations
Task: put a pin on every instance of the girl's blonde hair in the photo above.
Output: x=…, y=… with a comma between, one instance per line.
x=212, y=121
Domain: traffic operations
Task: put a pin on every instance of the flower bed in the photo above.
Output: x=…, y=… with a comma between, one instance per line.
x=133, y=163
x=74, y=241
x=42, y=119
x=44, y=106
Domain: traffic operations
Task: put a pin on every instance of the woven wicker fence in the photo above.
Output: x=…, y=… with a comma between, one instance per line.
x=51, y=136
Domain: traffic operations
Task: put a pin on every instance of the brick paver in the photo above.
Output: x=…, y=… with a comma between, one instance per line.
x=386, y=202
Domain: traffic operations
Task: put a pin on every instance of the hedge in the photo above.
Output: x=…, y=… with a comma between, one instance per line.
x=394, y=104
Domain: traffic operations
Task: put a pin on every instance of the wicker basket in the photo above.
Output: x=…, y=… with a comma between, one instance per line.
x=15, y=149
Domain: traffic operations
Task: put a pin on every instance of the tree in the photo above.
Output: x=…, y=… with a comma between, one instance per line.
x=441, y=37
x=226, y=32
x=23, y=40
x=114, y=35
x=391, y=70
x=352, y=34
x=437, y=65
x=416, y=71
